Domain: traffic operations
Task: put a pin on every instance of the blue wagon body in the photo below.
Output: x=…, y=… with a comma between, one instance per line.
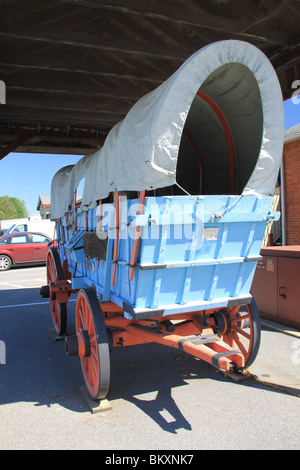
x=194, y=253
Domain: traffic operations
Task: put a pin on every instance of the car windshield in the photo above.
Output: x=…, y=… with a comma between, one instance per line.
x=7, y=231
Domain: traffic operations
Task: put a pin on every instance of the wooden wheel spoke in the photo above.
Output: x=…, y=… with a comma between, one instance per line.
x=241, y=332
x=82, y=316
x=89, y=369
x=84, y=364
x=240, y=318
x=93, y=342
x=240, y=345
x=94, y=368
x=90, y=325
x=234, y=311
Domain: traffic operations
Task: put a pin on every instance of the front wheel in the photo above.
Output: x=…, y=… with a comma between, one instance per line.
x=5, y=263
x=95, y=364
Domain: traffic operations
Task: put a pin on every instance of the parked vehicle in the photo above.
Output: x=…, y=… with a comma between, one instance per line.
x=23, y=248
x=25, y=225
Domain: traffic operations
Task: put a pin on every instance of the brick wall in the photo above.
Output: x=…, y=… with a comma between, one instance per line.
x=291, y=165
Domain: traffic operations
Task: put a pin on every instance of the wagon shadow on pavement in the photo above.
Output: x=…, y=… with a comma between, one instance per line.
x=149, y=376
x=37, y=369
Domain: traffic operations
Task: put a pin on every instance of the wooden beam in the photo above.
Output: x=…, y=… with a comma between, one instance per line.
x=84, y=67
x=187, y=16
x=56, y=150
x=67, y=102
x=76, y=88
x=287, y=57
x=64, y=141
x=9, y=133
x=57, y=118
x=14, y=145
x=68, y=38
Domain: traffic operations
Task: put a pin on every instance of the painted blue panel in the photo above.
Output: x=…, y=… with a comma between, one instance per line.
x=144, y=288
x=198, y=247
x=200, y=283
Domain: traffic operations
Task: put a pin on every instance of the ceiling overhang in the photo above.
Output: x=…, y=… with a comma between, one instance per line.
x=73, y=68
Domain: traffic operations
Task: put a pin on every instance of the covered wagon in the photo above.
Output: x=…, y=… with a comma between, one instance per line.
x=163, y=244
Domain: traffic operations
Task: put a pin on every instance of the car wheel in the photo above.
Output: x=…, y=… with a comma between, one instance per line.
x=5, y=263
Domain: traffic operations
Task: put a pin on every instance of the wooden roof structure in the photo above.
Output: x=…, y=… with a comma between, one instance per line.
x=72, y=69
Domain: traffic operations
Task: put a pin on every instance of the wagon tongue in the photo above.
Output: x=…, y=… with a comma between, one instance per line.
x=213, y=350
x=206, y=346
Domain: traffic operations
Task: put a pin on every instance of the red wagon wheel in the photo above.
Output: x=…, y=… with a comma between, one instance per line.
x=240, y=327
x=58, y=310
x=90, y=326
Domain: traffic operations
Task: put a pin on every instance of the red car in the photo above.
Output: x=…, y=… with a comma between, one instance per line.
x=23, y=248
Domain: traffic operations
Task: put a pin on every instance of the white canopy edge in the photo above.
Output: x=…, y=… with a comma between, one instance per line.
x=141, y=151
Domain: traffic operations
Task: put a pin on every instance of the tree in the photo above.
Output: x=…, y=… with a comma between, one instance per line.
x=12, y=208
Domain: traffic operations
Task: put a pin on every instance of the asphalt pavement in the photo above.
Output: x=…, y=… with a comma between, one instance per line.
x=160, y=399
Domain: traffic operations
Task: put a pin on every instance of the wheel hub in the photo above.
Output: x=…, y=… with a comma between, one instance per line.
x=79, y=344
x=45, y=291
x=222, y=322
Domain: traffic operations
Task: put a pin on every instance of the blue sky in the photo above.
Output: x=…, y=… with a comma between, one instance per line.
x=26, y=176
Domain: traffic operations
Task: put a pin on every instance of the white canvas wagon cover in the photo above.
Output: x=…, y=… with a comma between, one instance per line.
x=142, y=151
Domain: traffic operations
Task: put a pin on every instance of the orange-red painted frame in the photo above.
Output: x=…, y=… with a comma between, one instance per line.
x=127, y=332
x=140, y=210
x=117, y=228
x=222, y=349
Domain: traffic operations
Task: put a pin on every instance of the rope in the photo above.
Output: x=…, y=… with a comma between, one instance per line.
x=246, y=373
x=217, y=215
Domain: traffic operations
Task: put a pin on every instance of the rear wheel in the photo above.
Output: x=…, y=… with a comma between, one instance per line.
x=58, y=310
x=5, y=262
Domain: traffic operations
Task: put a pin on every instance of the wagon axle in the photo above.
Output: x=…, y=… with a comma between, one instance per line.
x=56, y=291
x=205, y=345
x=45, y=291
x=80, y=345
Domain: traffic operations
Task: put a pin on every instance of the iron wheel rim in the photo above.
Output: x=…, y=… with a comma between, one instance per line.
x=245, y=331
